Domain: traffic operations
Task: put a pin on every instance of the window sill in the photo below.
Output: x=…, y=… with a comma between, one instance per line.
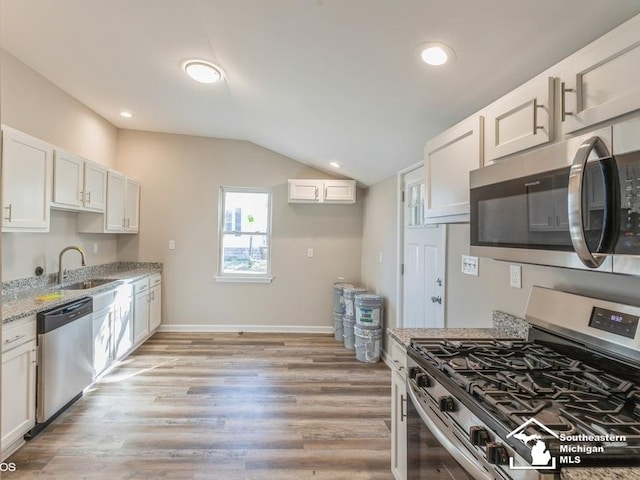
x=242, y=279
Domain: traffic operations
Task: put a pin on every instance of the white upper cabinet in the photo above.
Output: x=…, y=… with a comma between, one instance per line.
x=114, y=218
x=600, y=82
x=131, y=205
x=322, y=191
x=26, y=182
x=95, y=187
x=448, y=159
x=521, y=119
x=78, y=184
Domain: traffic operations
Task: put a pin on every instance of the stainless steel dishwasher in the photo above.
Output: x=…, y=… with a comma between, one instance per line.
x=65, y=365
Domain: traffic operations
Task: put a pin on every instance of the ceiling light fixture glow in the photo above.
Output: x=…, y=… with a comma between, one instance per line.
x=335, y=164
x=436, y=54
x=203, y=72
x=126, y=114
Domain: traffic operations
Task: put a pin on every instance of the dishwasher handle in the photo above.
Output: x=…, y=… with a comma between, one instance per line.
x=61, y=316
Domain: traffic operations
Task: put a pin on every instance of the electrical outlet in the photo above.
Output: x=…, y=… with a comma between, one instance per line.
x=172, y=244
x=515, y=276
x=95, y=248
x=470, y=265
x=309, y=252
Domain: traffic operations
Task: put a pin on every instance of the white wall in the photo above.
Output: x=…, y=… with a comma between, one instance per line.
x=470, y=300
x=181, y=177
x=31, y=103
x=379, y=236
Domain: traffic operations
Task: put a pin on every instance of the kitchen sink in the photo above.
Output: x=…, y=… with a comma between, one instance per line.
x=87, y=284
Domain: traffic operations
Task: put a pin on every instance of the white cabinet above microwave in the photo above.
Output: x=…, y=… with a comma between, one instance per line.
x=322, y=191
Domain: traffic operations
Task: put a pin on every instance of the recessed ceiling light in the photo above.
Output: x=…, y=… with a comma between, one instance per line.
x=436, y=54
x=335, y=164
x=203, y=72
x=126, y=114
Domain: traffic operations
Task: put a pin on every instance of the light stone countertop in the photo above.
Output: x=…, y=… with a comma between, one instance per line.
x=404, y=335
x=27, y=302
x=620, y=473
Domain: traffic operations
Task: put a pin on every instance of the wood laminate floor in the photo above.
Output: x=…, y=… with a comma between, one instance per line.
x=223, y=406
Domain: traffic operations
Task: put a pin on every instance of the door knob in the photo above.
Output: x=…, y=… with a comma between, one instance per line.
x=437, y=299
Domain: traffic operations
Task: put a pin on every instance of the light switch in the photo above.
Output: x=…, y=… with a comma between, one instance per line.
x=172, y=244
x=309, y=252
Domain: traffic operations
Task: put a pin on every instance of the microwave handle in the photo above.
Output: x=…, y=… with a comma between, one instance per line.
x=576, y=194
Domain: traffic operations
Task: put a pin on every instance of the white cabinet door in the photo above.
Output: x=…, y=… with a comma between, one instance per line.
x=102, y=349
x=131, y=205
x=18, y=392
x=449, y=158
x=122, y=326
x=26, y=180
x=95, y=187
x=339, y=191
x=141, y=316
x=601, y=81
x=115, y=220
x=68, y=176
x=305, y=191
x=398, y=356
x=521, y=119
x=155, y=308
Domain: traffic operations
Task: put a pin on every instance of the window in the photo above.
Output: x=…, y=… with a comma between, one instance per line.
x=245, y=235
x=415, y=204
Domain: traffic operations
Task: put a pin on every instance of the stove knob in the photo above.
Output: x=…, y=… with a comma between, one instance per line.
x=497, y=454
x=422, y=380
x=478, y=436
x=414, y=372
x=447, y=404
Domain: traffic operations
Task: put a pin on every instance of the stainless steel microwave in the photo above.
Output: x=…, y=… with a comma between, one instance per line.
x=573, y=204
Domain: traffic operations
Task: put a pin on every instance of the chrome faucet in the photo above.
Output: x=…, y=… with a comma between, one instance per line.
x=60, y=271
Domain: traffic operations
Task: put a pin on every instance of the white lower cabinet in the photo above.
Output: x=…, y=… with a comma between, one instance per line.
x=398, y=411
x=147, y=314
x=19, y=357
x=112, y=327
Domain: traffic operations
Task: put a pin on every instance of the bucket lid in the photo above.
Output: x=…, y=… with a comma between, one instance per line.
x=351, y=291
x=369, y=298
x=341, y=286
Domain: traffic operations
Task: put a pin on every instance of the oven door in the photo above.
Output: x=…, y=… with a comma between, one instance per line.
x=431, y=450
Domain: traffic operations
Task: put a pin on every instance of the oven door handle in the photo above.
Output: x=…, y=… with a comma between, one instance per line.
x=469, y=464
x=575, y=203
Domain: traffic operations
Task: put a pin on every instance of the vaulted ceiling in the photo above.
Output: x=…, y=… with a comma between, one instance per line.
x=316, y=80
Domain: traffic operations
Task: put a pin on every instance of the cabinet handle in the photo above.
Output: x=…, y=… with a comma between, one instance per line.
x=563, y=109
x=317, y=192
x=9, y=210
x=89, y=197
x=81, y=196
x=16, y=338
x=123, y=222
x=403, y=414
x=549, y=221
x=153, y=295
x=536, y=127
x=128, y=222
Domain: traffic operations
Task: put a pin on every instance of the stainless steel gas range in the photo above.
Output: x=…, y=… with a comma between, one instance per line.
x=568, y=396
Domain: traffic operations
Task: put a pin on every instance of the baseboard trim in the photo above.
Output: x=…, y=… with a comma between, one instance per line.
x=195, y=328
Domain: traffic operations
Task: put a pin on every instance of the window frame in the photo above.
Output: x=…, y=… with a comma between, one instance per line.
x=243, y=277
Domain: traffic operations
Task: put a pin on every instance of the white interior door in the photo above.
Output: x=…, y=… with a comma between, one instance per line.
x=424, y=259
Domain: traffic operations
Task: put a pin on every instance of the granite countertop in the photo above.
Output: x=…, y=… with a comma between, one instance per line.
x=20, y=302
x=404, y=335
x=620, y=473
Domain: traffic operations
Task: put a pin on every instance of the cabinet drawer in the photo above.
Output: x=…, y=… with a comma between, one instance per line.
x=19, y=332
x=398, y=356
x=155, y=280
x=141, y=286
